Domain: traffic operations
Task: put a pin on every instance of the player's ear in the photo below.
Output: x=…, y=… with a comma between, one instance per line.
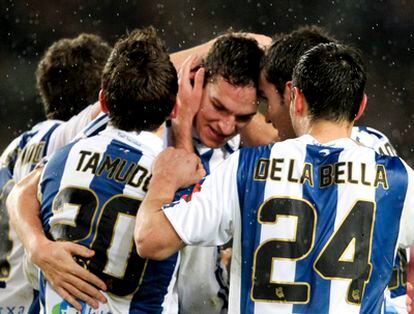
x=102, y=101
x=287, y=92
x=175, y=109
x=299, y=101
x=362, y=106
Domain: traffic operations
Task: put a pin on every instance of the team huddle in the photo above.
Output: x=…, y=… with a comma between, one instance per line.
x=157, y=186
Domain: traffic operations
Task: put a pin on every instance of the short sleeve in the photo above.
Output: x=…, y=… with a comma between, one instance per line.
x=208, y=218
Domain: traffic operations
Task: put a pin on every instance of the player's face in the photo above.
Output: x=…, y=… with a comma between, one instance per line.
x=277, y=111
x=224, y=110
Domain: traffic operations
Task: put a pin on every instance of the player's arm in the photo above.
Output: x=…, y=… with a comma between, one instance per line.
x=205, y=218
x=178, y=58
x=55, y=259
x=155, y=237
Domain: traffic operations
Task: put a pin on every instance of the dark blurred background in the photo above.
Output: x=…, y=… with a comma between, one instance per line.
x=382, y=29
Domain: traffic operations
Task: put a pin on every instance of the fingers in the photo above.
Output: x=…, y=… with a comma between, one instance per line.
x=87, y=277
x=199, y=82
x=184, y=73
x=70, y=299
x=71, y=287
x=80, y=250
x=201, y=172
x=78, y=294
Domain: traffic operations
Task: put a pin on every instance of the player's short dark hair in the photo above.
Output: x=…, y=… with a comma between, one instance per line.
x=236, y=58
x=332, y=78
x=69, y=75
x=139, y=82
x=286, y=49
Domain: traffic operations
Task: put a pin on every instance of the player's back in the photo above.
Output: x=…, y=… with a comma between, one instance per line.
x=19, y=158
x=319, y=226
x=91, y=192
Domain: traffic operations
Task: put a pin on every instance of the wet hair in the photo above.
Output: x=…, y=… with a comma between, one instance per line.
x=286, y=49
x=332, y=78
x=236, y=58
x=68, y=76
x=139, y=82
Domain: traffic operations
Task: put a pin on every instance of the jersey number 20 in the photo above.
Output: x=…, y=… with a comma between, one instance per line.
x=115, y=261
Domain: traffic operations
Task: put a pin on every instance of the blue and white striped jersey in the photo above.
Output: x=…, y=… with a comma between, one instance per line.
x=19, y=158
x=315, y=227
x=395, y=295
x=94, y=127
x=91, y=191
x=374, y=139
x=202, y=280
x=202, y=283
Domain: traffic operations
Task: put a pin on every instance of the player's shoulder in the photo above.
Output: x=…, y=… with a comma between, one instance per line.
x=41, y=131
x=368, y=136
x=365, y=130
x=9, y=155
x=121, y=143
x=94, y=127
x=374, y=139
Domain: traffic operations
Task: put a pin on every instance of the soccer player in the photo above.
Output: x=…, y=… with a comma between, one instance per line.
x=276, y=83
x=67, y=79
x=92, y=188
x=228, y=101
x=227, y=105
x=315, y=220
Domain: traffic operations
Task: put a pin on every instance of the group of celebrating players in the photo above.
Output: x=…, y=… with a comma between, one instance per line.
x=131, y=204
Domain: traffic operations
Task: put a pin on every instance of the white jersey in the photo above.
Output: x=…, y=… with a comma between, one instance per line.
x=374, y=139
x=91, y=191
x=19, y=158
x=395, y=295
x=202, y=283
x=203, y=280
x=316, y=226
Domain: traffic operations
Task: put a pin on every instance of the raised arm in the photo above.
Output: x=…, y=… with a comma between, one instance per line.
x=178, y=58
x=55, y=259
x=155, y=237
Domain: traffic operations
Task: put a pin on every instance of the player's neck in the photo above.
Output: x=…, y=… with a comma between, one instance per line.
x=325, y=131
x=160, y=131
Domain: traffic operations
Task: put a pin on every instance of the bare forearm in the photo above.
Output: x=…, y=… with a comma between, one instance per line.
x=178, y=58
x=24, y=208
x=155, y=237
x=181, y=135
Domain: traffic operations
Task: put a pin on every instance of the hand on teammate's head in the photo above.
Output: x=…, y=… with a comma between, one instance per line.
x=190, y=89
